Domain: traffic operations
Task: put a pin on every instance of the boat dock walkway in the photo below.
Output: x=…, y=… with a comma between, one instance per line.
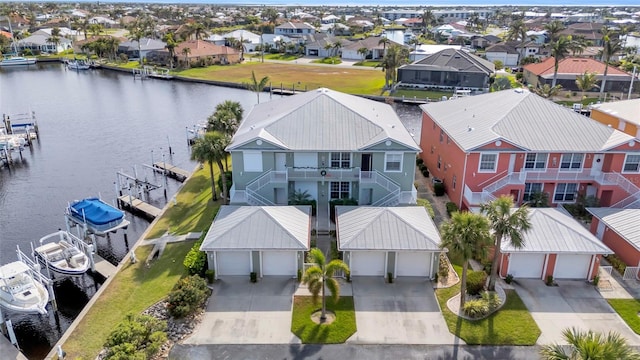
x=136, y=205
x=172, y=171
x=9, y=351
x=103, y=267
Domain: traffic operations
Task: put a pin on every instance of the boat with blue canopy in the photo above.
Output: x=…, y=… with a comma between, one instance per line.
x=96, y=216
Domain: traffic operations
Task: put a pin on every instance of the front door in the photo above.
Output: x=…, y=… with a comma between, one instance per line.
x=512, y=163
x=366, y=162
x=596, y=166
x=281, y=161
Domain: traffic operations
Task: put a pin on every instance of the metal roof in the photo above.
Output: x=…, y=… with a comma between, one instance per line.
x=323, y=120
x=628, y=110
x=259, y=228
x=623, y=221
x=458, y=60
x=552, y=231
x=386, y=228
x=523, y=119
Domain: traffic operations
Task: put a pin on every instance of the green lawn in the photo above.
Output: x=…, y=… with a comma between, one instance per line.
x=328, y=61
x=511, y=325
x=369, y=63
x=283, y=57
x=135, y=288
x=311, y=333
x=628, y=309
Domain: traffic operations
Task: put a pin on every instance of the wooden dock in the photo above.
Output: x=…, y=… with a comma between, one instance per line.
x=138, y=206
x=172, y=171
x=103, y=267
x=9, y=351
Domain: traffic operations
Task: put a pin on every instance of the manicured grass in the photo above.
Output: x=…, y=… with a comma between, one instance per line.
x=135, y=288
x=369, y=63
x=328, y=61
x=348, y=80
x=511, y=325
x=335, y=333
x=283, y=57
x=194, y=210
x=628, y=309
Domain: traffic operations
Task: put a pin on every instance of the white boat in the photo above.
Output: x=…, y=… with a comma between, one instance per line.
x=60, y=252
x=78, y=65
x=17, y=61
x=19, y=291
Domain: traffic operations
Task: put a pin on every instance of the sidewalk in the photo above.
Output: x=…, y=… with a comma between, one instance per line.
x=425, y=191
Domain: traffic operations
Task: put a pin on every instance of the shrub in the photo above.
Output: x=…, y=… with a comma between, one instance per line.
x=519, y=76
x=508, y=279
x=617, y=263
x=476, y=308
x=335, y=254
x=210, y=275
x=187, y=296
x=390, y=277
x=451, y=208
x=299, y=275
x=499, y=64
x=425, y=173
x=475, y=282
x=137, y=337
x=419, y=161
x=253, y=276
x=492, y=299
x=438, y=189
x=422, y=167
x=549, y=280
x=427, y=205
x=195, y=262
x=596, y=280
x=443, y=266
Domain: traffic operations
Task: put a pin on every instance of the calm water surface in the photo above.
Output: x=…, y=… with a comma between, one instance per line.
x=93, y=124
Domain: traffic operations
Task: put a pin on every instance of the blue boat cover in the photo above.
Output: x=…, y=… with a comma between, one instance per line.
x=96, y=211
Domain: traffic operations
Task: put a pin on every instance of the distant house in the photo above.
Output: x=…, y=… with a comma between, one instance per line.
x=570, y=68
x=375, y=50
x=104, y=21
x=448, y=69
x=38, y=43
x=481, y=42
x=590, y=31
x=423, y=50
x=199, y=51
x=505, y=52
x=249, y=40
x=294, y=29
x=130, y=48
x=622, y=115
x=316, y=45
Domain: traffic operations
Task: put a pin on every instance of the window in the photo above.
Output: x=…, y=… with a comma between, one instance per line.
x=252, y=161
x=488, y=162
x=535, y=161
x=441, y=135
x=393, y=162
x=454, y=181
x=341, y=160
x=571, y=161
x=631, y=163
x=340, y=190
x=565, y=192
x=530, y=189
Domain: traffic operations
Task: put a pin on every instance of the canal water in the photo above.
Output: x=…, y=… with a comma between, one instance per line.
x=93, y=124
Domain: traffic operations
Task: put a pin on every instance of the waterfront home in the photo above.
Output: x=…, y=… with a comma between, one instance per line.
x=447, y=69
x=517, y=143
x=323, y=146
x=622, y=115
x=590, y=30
x=39, y=43
x=249, y=40
x=320, y=44
x=375, y=50
x=294, y=29
x=570, y=68
x=511, y=53
x=200, y=51
x=131, y=49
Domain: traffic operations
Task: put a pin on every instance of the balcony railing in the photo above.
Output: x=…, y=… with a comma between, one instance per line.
x=328, y=174
x=557, y=174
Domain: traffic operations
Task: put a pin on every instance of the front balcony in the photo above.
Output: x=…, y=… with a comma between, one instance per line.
x=323, y=174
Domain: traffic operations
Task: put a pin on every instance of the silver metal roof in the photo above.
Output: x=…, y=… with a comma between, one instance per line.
x=628, y=110
x=323, y=120
x=259, y=228
x=523, y=119
x=552, y=231
x=386, y=228
x=623, y=221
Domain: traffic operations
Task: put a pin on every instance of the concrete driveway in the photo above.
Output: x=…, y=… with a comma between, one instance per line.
x=571, y=304
x=240, y=312
x=405, y=312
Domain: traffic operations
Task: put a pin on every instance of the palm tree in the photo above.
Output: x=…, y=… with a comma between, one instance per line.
x=578, y=44
x=611, y=45
x=384, y=41
x=587, y=81
x=203, y=150
x=168, y=38
x=559, y=50
x=198, y=30
x=186, y=51
x=336, y=47
x=139, y=29
x=553, y=29
x=506, y=223
x=547, y=91
x=516, y=30
x=55, y=40
x=226, y=117
x=363, y=51
x=464, y=235
x=415, y=42
x=271, y=14
x=257, y=85
x=320, y=275
x=588, y=344
x=428, y=20
x=95, y=29
x=395, y=57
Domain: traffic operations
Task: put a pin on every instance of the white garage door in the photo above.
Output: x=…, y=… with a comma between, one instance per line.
x=413, y=264
x=572, y=266
x=367, y=263
x=526, y=265
x=233, y=262
x=279, y=263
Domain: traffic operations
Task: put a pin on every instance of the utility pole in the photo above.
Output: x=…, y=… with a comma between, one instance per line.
x=633, y=77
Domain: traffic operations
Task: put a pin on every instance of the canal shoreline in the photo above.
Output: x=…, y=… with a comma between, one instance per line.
x=53, y=353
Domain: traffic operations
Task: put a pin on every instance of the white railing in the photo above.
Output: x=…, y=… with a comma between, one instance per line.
x=630, y=202
x=493, y=179
x=253, y=198
x=385, y=182
x=621, y=181
x=390, y=199
x=557, y=174
x=512, y=178
x=631, y=273
x=409, y=197
x=330, y=174
x=260, y=181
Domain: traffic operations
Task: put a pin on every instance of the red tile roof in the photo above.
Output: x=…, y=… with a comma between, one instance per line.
x=572, y=66
x=6, y=34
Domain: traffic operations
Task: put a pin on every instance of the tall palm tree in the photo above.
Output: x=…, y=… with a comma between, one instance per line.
x=559, y=50
x=171, y=44
x=395, y=57
x=363, y=51
x=226, y=117
x=464, y=235
x=586, y=81
x=553, y=29
x=384, y=41
x=428, y=20
x=198, y=30
x=257, y=85
x=204, y=150
x=578, y=44
x=589, y=345
x=139, y=29
x=271, y=14
x=611, y=45
x=336, y=47
x=55, y=41
x=186, y=51
x=320, y=275
x=516, y=30
x=506, y=223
